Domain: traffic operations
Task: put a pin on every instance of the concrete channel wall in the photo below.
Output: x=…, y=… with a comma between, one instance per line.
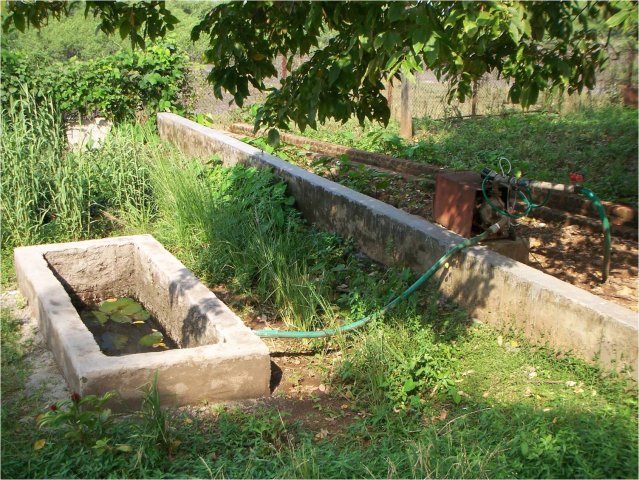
x=493, y=288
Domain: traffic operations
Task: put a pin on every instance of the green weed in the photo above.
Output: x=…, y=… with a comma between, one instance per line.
x=13, y=370
x=52, y=194
x=237, y=226
x=82, y=419
x=116, y=86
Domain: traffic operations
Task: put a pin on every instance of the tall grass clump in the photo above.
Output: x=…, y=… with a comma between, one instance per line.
x=31, y=140
x=237, y=226
x=50, y=193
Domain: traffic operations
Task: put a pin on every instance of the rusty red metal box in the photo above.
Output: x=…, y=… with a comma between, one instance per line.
x=455, y=198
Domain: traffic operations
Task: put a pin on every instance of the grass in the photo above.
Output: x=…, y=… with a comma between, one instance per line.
x=424, y=392
x=237, y=226
x=50, y=193
x=599, y=142
x=13, y=371
x=504, y=423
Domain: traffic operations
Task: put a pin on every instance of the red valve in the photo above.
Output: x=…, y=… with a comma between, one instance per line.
x=576, y=177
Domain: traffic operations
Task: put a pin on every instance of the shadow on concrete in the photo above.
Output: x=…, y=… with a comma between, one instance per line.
x=196, y=329
x=276, y=376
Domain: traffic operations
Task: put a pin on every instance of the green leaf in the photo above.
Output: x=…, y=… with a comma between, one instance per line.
x=524, y=448
x=131, y=309
x=151, y=339
x=142, y=315
x=409, y=385
x=470, y=27
x=124, y=28
x=454, y=394
x=391, y=41
x=515, y=33
x=333, y=74
x=101, y=317
x=618, y=18
x=119, y=318
x=484, y=18
x=396, y=11
x=109, y=306
x=18, y=21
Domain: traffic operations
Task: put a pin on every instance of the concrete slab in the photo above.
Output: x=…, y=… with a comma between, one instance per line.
x=517, y=249
x=493, y=288
x=88, y=133
x=218, y=358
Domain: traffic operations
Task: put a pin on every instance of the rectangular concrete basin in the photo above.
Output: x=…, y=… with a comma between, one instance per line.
x=218, y=358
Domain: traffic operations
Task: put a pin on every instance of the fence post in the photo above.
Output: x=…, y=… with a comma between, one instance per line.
x=473, y=102
x=405, y=119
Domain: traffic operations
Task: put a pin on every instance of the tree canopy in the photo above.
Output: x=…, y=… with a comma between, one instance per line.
x=536, y=45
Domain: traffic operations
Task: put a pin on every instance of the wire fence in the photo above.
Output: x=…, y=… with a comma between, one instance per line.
x=428, y=96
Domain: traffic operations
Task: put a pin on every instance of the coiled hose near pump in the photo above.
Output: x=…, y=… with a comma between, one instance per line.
x=521, y=184
x=418, y=283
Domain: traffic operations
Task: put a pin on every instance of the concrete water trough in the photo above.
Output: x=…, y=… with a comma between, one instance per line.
x=493, y=288
x=218, y=358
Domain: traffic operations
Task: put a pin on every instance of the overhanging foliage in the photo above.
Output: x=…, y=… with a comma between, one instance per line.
x=536, y=45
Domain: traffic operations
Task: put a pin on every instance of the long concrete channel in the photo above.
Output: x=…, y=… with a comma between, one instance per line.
x=493, y=288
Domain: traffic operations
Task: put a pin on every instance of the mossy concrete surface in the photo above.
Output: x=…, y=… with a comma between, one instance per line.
x=219, y=357
x=493, y=288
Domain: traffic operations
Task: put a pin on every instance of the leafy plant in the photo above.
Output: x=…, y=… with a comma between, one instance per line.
x=128, y=308
x=238, y=226
x=116, y=86
x=83, y=419
x=155, y=427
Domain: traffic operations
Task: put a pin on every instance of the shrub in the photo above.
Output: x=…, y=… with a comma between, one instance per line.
x=115, y=86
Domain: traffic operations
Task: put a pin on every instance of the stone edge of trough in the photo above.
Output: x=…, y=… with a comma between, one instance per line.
x=493, y=288
x=241, y=360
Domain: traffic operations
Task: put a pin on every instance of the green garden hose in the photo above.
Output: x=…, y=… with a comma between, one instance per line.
x=530, y=206
x=519, y=183
x=403, y=296
x=605, y=270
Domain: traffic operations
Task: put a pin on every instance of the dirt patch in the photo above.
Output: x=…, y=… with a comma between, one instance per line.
x=301, y=372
